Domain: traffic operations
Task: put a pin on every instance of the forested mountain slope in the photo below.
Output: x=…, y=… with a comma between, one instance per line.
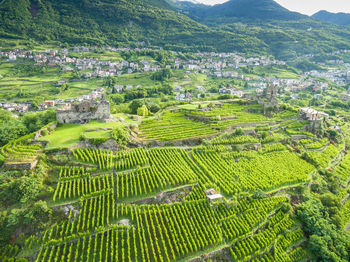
x=338, y=18
x=258, y=27
x=114, y=22
x=284, y=33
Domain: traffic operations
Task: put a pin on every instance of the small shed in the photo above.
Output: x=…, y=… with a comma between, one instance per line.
x=212, y=195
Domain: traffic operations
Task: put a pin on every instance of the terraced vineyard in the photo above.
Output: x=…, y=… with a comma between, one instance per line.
x=269, y=171
x=182, y=124
x=234, y=174
x=20, y=152
x=175, y=126
x=232, y=198
x=170, y=232
x=103, y=224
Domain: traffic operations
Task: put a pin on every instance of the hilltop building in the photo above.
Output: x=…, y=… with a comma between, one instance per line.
x=84, y=112
x=311, y=114
x=268, y=99
x=316, y=118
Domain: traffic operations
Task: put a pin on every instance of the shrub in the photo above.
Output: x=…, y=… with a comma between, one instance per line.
x=99, y=140
x=44, y=132
x=121, y=136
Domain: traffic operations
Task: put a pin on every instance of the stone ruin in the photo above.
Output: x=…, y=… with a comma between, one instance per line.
x=269, y=98
x=316, y=118
x=84, y=112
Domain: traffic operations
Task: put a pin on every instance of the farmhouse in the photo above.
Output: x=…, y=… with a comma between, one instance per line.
x=310, y=114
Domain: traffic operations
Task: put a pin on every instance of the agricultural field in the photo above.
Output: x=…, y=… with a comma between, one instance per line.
x=194, y=123
x=20, y=82
x=237, y=194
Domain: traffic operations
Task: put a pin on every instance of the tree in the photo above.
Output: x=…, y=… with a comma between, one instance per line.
x=22, y=189
x=154, y=108
x=11, y=130
x=65, y=87
x=2, y=160
x=326, y=241
x=121, y=136
x=258, y=194
x=142, y=111
x=162, y=75
x=5, y=115
x=117, y=98
x=134, y=105
x=37, y=214
x=239, y=132
x=109, y=81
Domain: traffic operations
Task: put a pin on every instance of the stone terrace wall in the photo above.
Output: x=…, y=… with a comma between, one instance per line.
x=21, y=166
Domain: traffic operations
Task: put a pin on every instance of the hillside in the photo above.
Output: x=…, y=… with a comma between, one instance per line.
x=286, y=34
x=235, y=197
x=334, y=18
x=238, y=25
x=119, y=22
x=263, y=9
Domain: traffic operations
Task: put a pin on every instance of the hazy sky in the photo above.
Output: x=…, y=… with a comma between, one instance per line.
x=308, y=7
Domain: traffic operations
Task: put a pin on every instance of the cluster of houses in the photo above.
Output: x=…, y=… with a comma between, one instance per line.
x=187, y=96
x=184, y=97
x=16, y=107
x=231, y=91
x=25, y=107
x=218, y=64
x=120, y=88
x=337, y=76
x=221, y=65
x=241, y=60
x=90, y=67
x=289, y=85
x=93, y=95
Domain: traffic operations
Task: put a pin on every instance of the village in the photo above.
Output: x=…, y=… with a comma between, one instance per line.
x=214, y=65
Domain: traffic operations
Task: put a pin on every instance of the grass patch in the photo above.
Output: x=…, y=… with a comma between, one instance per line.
x=67, y=135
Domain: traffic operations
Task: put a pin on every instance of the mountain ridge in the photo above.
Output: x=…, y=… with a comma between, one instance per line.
x=334, y=18
x=262, y=9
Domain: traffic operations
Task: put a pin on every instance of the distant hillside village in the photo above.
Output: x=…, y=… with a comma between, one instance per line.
x=216, y=65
